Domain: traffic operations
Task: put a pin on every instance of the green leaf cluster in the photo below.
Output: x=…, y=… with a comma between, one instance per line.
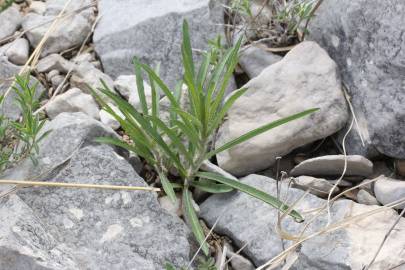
x=182, y=143
x=20, y=139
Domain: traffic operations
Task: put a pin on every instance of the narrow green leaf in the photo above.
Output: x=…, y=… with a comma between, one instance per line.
x=254, y=192
x=260, y=130
x=191, y=217
x=168, y=187
x=140, y=86
x=211, y=187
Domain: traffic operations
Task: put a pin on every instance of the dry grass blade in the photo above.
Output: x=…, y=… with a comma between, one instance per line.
x=74, y=185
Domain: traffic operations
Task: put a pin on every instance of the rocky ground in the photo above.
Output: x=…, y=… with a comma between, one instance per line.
x=352, y=63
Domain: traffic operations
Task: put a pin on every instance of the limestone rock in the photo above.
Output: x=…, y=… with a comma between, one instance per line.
x=254, y=60
x=306, y=78
x=10, y=21
x=388, y=190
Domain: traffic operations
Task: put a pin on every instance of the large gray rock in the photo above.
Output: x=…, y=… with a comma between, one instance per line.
x=306, y=78
x=70, y=31
x=109, y=229
x=68, y=133
x=388, y=190
x=366, y=39
x=334, y=165
x=7, y=73
x=154, y=34
x=247, y=220
x=25, y=243
x=10, y=21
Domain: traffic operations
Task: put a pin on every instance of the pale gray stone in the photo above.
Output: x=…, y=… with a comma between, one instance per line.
x=16, y=51
x=107, y=119
x=254, y=60
x=54, y=62
x=366, y=39
x=126, y=86
x=306, y=78
x=38, y=7
x=10, y=21
x=334, y=165
x=364, y=197
x=154, y=34
x=86, y=75
x=25, y=242
x=388, y=190
x=73, y=100
x=247, y=220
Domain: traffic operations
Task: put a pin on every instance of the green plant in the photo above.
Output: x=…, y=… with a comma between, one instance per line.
x=19, y=139
x=182, y=143
x=276, y=23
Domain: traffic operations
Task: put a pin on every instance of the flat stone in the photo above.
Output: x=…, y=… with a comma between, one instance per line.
x=366, y=40
x=317, y=186
x=25, y=243
x=247, y=220
x=334, y=165
x=388, y=190
x=254, y=60
x=10, y=21
x=109, y=229
x=54, y=62
x=306, y=78
x=154, y=35
x=73, y=100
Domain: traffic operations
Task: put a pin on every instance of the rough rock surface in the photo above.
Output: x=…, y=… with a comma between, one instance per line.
x=247, y=220
x=334, y=165
x=109, y=229
x=154, y=35
x=73, y=100
x=306, y=78
x=7, y=73
x=366, y=40
x=69, y=32
x=25, y=243
x=388, y=190
x=10, y=21
x=254, y=60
